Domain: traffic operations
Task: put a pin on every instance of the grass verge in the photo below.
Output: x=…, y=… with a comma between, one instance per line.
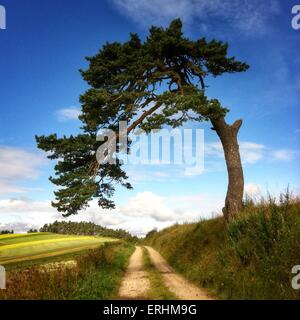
x=96, y=275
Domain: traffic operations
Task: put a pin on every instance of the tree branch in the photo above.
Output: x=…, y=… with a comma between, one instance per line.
x=237, y=125
x=95, y=165
x=142, y=117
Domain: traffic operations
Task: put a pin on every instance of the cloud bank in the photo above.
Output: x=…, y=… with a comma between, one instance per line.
x=17, y=165
x=140, y=214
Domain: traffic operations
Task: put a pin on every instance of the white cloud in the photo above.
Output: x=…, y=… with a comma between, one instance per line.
x=252, y=189
x=148, y=204
x=17, y=165
x=252, y=153
x=146, y=12
x=7, y=187
x=140, y=214
x=23, y=214
x=285, y=154
x=67, y=114
x=248, y=16
x=25, y=205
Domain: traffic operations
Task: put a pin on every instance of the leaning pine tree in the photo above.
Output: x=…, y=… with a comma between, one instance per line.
x=150, y=84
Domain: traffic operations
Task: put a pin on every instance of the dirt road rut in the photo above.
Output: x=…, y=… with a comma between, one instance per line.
x=136, y=284
x=179, y=286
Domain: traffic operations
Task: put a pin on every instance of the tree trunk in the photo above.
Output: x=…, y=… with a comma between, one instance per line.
x=228, y=136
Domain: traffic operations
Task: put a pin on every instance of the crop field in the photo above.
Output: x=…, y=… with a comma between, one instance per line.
x=15, y=248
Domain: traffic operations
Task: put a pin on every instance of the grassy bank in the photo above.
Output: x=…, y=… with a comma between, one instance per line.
x=95, y=275
x=251, y=258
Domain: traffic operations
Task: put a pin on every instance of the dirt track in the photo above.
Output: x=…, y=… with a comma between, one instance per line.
x=135, y=284
x=182, y=289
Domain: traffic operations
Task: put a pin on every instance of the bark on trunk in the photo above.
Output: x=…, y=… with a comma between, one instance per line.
x=228, y=136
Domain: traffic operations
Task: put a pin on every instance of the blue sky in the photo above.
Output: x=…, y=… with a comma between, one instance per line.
x=42, y=50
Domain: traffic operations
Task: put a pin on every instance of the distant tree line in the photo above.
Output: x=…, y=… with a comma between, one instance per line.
x=32, y=231
x=85, y=228
x=6, y=231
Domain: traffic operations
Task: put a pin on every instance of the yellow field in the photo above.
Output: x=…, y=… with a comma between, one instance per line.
x=26, y=247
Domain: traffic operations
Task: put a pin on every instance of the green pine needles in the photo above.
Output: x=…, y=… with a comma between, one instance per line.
x=152, y=83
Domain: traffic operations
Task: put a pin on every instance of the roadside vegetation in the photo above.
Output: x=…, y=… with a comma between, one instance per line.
x=251, y=258
x=94, y=275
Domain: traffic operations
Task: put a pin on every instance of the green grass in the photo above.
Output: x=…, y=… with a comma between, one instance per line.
x=19, y=249
x=105, y=274
x=158, y=290
x=251, y=258
x=97, y=274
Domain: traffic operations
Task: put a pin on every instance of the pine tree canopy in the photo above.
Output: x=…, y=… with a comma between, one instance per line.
x=149, y=84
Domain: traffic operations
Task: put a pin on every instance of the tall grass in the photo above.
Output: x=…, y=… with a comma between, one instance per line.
x=251, y=258
x=96, y=275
